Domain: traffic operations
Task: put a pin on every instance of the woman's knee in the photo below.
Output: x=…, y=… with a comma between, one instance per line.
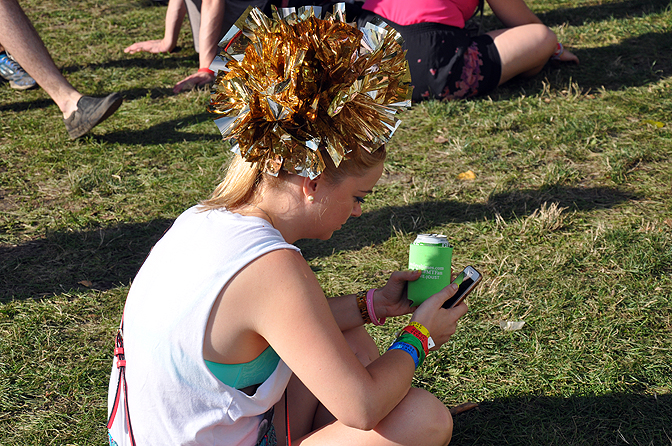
x=431, y=419
x=550, y=39
x=544, y=38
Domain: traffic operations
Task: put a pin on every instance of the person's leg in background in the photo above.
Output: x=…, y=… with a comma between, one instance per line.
x=80, y=113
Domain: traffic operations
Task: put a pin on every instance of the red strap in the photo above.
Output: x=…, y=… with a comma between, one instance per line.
x=288, y=437
x=116, y=405
x=121, y=365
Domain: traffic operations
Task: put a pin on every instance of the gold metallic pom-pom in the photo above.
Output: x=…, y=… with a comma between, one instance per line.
x=296, y=83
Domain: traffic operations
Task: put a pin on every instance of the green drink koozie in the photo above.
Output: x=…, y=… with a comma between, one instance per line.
x=432, y=254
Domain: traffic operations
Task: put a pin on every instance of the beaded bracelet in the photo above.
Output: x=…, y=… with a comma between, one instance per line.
x=371, y=310
x=408, y=348
x=361, y=303
x=415, y=342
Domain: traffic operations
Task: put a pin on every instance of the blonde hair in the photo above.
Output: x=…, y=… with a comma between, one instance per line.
x=242, y=179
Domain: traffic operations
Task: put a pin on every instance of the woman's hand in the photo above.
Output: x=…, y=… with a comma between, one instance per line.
x=441, y=322
x=197, y=79
x=150, y=46
x=392, y=299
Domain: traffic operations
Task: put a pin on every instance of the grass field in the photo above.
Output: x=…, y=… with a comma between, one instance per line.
x=568, y=216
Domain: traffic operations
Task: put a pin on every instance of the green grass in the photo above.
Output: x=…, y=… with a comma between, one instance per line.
x=569, y=218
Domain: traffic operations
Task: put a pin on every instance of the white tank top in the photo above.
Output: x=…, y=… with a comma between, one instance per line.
x=173, y=398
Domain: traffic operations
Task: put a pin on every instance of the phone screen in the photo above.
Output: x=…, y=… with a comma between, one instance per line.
x=463, y=283
x=466, y=283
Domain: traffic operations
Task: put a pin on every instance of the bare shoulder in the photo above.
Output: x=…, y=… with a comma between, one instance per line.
x=275, y=276
x=280, y=264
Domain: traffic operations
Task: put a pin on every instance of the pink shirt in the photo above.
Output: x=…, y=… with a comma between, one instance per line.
x=408, y=12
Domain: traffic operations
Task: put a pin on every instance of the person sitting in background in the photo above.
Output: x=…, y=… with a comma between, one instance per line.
x=209, y=20
x=225, y=316
x=11, y=71
x=448, y=63
x=80, y=113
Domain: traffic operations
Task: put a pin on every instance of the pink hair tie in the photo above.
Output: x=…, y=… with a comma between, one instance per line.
x=369, y=307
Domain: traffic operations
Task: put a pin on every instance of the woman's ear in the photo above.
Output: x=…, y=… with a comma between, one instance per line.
x=311, y=187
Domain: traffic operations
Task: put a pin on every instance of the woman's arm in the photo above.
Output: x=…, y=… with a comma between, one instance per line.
x=212, y=16
x=175, y=14
x=284, y=304
x=389, y=301
x=513, y=12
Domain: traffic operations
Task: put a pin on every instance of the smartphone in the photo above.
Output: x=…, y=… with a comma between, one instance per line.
x=467, y=280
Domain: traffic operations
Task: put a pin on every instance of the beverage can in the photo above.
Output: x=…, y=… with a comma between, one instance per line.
x=432, y=254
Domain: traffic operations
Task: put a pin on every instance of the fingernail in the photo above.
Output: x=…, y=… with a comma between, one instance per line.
x=454, y=286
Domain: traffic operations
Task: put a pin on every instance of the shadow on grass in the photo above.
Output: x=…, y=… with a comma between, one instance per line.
x=163, y=132
x=128, y=95
x=106, y=257
x=142, y=60
x=377, y=226
x=26, y=105
x=616, y=419
x=604, y=11
x=110, y=257
x=148, y=62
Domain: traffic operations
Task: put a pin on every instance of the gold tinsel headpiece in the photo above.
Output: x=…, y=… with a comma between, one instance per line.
x=296, y=83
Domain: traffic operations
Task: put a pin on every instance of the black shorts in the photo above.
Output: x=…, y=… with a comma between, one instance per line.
x=445, y=61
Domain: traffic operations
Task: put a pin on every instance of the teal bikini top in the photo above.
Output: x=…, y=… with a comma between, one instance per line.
x=240, y=376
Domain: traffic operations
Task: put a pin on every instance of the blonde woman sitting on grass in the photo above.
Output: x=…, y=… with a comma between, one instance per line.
x=227, y=336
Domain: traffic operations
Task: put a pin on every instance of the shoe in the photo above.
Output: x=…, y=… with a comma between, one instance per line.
x=17, y=76
x=91, y=112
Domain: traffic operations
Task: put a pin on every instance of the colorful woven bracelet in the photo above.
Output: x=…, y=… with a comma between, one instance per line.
x=372, y=311
x=408, y=348
x=415, y=342
x=361, y=303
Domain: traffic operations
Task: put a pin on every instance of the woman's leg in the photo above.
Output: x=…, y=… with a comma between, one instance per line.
x=420, y=418
x=524, y=50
